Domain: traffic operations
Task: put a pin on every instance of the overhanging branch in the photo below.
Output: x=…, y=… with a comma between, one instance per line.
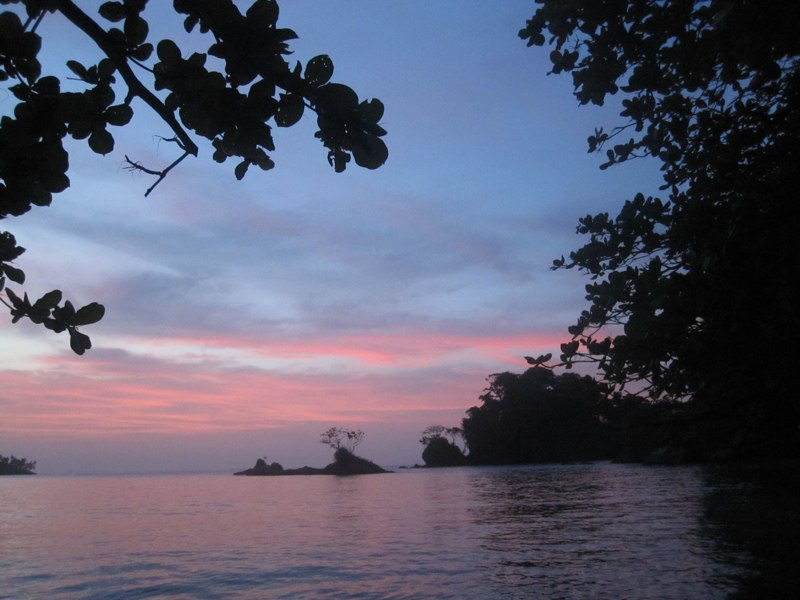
x=86, y=24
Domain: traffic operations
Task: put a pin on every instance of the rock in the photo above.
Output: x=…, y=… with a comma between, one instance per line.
x=305, y=471
x=442, y=453
x=262, y=468
x=346, y=463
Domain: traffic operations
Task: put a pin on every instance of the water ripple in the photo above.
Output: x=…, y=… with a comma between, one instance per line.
x=556, y=531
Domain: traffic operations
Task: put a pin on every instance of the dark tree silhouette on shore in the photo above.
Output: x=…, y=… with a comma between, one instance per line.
x=11, y=465
x=233, y=108
x=539, y=416
x=691, y=297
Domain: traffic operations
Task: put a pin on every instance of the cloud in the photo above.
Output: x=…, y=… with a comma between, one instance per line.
x=115, y=392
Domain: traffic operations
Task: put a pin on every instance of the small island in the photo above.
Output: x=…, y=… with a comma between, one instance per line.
x=11, y=465
x=345, y=462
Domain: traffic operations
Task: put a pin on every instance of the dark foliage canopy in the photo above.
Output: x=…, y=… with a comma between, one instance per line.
x=691, y=296
x=432, y=432
x=440, y=452
x=233, y=108
x=440, y=447
x=539, y=416
x=11, y=465
x=346, y=440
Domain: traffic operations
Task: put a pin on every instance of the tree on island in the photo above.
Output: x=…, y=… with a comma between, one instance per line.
x=233, y=108
x=11, y=465
x=342, y=439
x=431, y=432
x=440, y=452
x=345, y=462
x=690, y=296
x=440, y=448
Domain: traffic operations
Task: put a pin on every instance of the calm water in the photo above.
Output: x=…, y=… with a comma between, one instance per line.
x=578, y=531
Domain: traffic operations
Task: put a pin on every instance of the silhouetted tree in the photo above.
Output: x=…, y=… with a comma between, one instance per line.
x=431, y=432
x=231, y=108
x=11, y=465
x=440, y=449
x=454, y=435
x=539, y=416
x=440, y=452
x=344, y=439
x=691, y=296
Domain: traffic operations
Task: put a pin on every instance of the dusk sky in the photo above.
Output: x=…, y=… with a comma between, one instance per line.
x=245, y=318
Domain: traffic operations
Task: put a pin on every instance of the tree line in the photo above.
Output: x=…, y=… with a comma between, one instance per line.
x=540, y=416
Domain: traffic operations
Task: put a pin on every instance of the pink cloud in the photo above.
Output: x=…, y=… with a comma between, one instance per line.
x=393, y=349
x=411, y=378
x=124, y=395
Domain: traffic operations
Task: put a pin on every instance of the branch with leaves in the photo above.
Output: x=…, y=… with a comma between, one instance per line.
x=232, y=108
x=47, y=310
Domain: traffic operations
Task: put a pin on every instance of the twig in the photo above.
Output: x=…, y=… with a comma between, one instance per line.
x=173, y=140
x=135, y=166
x=140, y=64
x=38, y=20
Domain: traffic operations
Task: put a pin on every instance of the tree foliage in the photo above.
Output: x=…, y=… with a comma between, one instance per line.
x=440, y=452
x=539, y=416
x=691, y=296
x=346, y=439
x=440, y=446
x=431, y=432
x=234, y=108
x=11, y=465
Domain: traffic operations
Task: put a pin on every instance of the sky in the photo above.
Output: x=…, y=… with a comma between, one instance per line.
x=245, y=318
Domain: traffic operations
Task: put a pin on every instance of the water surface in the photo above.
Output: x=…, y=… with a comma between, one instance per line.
x=556, y=531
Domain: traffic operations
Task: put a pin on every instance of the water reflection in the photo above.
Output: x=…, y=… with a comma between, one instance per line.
x=557, y=531
x=602, y=531
x=753, y=514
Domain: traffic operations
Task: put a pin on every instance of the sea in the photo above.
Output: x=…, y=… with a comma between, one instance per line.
x=597, y=530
